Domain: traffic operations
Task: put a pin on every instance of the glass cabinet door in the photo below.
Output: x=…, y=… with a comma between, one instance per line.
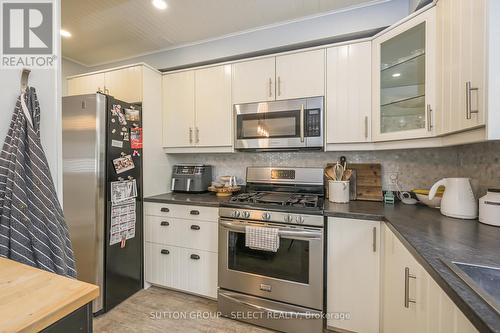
x=402, y=81
x=405, y=80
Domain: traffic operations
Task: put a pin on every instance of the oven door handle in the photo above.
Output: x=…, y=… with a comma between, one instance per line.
x=286, y=314
x=288, y=233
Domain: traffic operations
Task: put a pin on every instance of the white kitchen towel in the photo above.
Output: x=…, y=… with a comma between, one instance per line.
x=262, y=238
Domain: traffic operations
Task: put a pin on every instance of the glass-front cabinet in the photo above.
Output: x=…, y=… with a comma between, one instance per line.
x=404, y=80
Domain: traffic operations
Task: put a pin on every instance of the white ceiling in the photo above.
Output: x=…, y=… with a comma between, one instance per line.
x=108, y=30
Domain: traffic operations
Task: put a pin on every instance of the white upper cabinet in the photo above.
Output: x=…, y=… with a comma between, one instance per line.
x=295, y=75
x=178, y=109
x=348, y=93
x=300, y=75
x=125, y=84
x=404, y=80
x=254, y=81
x=353, y=284
x=197, y=109
x=461, y=27
x=213, y=106
x=86, y=84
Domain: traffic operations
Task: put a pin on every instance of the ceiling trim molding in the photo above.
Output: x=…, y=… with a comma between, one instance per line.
x=245, y=32
x=75, y=61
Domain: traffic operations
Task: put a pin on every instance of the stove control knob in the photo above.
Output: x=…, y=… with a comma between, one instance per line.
x=299, y=219
x=266, y=216
x=245, y=215
x=287, y=218
x=235, y=214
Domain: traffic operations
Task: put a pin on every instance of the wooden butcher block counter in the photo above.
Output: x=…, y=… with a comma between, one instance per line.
x=33, y=300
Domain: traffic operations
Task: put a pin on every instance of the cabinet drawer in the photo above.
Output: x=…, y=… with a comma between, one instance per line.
x=183, y=211
x=189, y=270
x=194, y=234
x=163, y=265
x=163, y=230
x=199, y=272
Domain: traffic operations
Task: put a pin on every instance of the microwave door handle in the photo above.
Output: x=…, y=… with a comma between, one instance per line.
x=173, y=184
x=302, y=123
x=188, y=185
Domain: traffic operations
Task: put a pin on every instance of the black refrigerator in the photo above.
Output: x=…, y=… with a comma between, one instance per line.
x=102, y=193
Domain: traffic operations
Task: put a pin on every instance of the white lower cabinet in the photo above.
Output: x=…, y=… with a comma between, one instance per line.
x=353, y=275
x=412, y=300
x=181, y=252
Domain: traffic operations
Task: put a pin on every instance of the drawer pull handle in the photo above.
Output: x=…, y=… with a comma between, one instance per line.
x=195, y=227
x=165, y=210
x=195, y=257
x=165, y=251
x=164, y=223
x=194, y=212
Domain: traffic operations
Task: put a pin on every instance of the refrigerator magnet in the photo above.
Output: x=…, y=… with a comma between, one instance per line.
x=116, y=109
x=123, y=164
x=136, y=138
x=126, y=136
x=117, y=143
x=132, y=115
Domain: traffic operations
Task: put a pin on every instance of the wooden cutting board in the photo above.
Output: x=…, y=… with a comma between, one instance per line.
x=368, y=181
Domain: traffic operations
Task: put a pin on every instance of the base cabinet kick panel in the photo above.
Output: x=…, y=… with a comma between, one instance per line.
x=181, y=253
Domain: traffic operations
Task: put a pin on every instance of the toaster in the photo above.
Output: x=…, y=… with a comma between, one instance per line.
x=191, y=178
x=489, y=208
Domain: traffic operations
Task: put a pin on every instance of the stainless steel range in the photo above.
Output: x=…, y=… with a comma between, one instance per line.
x=282, y=290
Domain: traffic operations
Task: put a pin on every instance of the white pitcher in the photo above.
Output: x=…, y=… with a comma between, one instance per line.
x=458, y=199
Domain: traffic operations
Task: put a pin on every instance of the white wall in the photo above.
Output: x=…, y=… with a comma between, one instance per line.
x=69, y=68
x=378, y=14
x=48, y=85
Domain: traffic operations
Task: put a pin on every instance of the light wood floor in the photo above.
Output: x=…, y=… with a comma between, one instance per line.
x=155, y=311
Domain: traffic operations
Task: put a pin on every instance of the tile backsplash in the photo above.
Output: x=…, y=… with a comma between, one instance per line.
x=415, y=168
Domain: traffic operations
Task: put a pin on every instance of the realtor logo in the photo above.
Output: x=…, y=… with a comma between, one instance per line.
x=27, y=34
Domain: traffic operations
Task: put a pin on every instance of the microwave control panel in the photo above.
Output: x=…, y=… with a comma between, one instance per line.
x=312, y=123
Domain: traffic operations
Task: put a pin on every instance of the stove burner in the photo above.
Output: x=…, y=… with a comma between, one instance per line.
x=278, y=198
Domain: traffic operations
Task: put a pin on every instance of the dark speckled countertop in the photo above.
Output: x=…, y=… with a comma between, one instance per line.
x=208, y=199
x=428, y=235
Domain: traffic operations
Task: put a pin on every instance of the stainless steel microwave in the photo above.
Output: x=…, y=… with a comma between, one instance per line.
x=290, y=124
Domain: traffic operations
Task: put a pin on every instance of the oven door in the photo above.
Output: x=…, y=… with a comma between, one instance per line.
x=293, y=274
x=289, y=124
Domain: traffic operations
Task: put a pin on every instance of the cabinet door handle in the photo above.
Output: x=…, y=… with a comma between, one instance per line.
x=195, y=227
x=197, y=135
x=195, y=257
x=164, y=210
x=366, y=127
x=190, y=135
x=407, y=299
x=270, y=87
x=279, y=86
x=468, y=100
x=374, y=239
x=429, y=118
x=194, y=212
x=165, y=251
x=302, y=123
x=164, y=223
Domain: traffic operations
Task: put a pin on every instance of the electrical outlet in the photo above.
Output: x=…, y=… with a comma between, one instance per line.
x=394, y=178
